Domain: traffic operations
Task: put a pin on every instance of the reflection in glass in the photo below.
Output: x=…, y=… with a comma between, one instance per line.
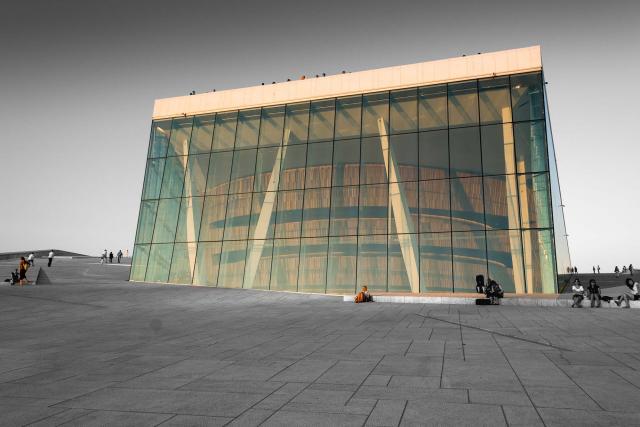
x=534, y=200
x=527, y=97
x=173, y=178
x=315, y=217
x=248, y=128
x=403, y=262
x=159, y=263
x=212, y=224
x=344, y=211
x=434, y=206
x=348, y=117
x=373, y=168
x=293, y=163
x=469, y=259
x=373, y=209
x=284, y=274
x=497, y=149
x=236, y=224
x=195, y=178
x=139, y=262
x=495, y=102
x=183, y=259
x=463, y=104
x=207, y=263
x=189, y=219
x=146, y=221
x=432, y=107
x=531, y=150
x=160, y=132
x=346, y=162
x=219, y=171
x=375, y=107
x=404, y=111
x=257, y=272
x=265, y=167
x=504, y=256
x=341, y=270
x=501, y=202
x=435, y=262
x=297, y=122
x=225, y=131
x=263, y=215
x=289, y=214
x=321, y=119
x=244, y=165
x=434, y=154
x=312, y=275
x=319, y=165
x=464, y=145
x=153, y=179
x=403, y=207
x=202, y=134
x=232, y=261
x=467, y=210
x=404, y=152
x=271, y=126
x=166, y=220
x=539, y=263
x=372, y=263
x=180, y=135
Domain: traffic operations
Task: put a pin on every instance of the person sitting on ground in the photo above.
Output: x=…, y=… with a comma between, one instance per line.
x=22, y=271
x=363, y=296
x=593, y=291
x=578, y=293
x=633, y=294
x=494, y=292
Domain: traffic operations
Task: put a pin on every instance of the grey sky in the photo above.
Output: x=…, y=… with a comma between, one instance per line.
x=78, y=80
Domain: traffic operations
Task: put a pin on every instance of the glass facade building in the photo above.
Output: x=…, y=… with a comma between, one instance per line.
x=415, y=189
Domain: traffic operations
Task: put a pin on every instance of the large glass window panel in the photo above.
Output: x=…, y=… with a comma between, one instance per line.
x=467, y=210
x=146, y=221
x=495, y=101
x=139, y=262
x=225, y=131
x=373, y=209
x=257, y=271
x=265, y=167
x=372, y=263
x=180, y=136
x=219, y=172
x=166, y=221
x=341, y=270
x=527, y=97
x=539, y=264
x=263, y=215
x=531, y=147
x=232, y=261
x=344, y=211
x=321, y=118
x=213, y=214
x=159, y=263
x=195, y=177
x=469, y=259
x=297, y=122
x=271, y=125
x=244, y=165
x=501, y=202
x=348, y=117
x=403, y=207
x=535, y=203
x=403, y=262
x=248, y=128
x=404, y=154
x=173, y=177
x=315, y=217
x=160, y=132
x=404, y=111
x=202, y=134
x=236, y=225
x=153, y=179
x=432, y=107
x=434, y=154
x=434, y=206
x=293, y=164
x=312, y=273
x=189, y=219
x=373, y=169
x=504, y=256
x=498, y=155
x=182, y=262
x=435, y=262
x=284, y=270
x=207, y=263
x=375, y=107
x=319, y=164
x=463, y=104
x=464, y=146
x=289, y=214
x=346, y=162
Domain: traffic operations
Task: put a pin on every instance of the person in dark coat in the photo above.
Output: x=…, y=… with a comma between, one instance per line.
x=593, y=291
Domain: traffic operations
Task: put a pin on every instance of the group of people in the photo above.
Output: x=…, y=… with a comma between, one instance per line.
x=595, y=296
x=109, y=256
x=20, y=276
x=624, y=270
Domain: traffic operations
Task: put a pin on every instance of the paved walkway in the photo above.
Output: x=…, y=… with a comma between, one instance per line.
x=91, y=349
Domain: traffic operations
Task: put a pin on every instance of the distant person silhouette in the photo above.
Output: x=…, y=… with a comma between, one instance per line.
x=594, y=269
x=631, y=269
x=119, y=255
x=30, y=260
x=598, y=269
x=51, y=255
x=617, y=271
x=111, y=257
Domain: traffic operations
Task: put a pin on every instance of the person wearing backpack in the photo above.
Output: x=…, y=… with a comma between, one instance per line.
x=593, y=292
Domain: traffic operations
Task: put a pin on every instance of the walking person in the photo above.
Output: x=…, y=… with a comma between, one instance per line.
x=633, y=294
x=578, y=294
x=598, y=269
x=31, y=259
x=594, y=269
x=51, y=255
x=102, y=259
x=593, y=292
x=23, y=266
x=631, y=269
x=617, y=271
x=119, y=255
x=111, y=257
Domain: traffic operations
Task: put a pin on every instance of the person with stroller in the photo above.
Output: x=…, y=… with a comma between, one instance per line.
x=578, y=293
x=593, y=293
x=633, y=294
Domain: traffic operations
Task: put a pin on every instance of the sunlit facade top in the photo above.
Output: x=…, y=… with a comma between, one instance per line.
x=405, y=179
